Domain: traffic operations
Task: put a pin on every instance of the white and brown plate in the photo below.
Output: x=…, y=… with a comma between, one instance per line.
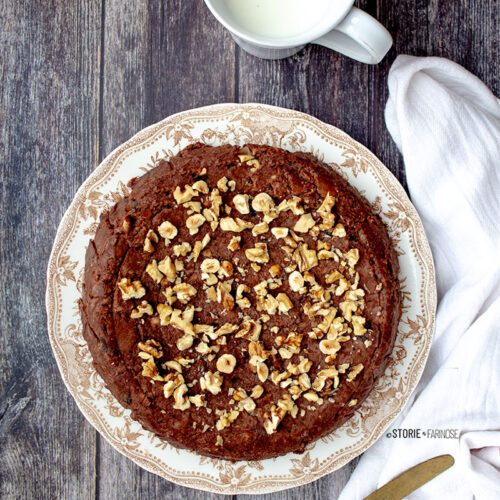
x=239, y=124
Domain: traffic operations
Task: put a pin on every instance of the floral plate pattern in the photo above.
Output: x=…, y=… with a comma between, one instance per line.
x=239, y=124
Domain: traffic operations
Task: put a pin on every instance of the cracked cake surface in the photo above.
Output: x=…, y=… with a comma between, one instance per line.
x=241, y=301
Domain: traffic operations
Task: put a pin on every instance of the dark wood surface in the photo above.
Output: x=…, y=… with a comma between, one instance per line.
x=80, y=77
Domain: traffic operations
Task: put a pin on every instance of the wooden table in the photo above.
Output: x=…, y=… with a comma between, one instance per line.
x=80, y=77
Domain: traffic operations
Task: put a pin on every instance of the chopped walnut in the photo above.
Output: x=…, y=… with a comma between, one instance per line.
x=258, y=254
x=260, y=228
x=263, y=203
x=143, y=308
x=327, y=205
x=168, y=231
x=236, y=225
x=354, y=372
x=226, y=419
x=293, y=204
x=304, y=224
x=151, y=347
x=181, y=400
x=257, y=392
x=194, y=222
x=339, y=231
x=198, y=400
x=296, y=282
x=183, y=196
x=164, y=311
x=172, y=381
x=167, y=267
x=234, y=244
x=151, y=238
x=279, y=232
x=153, y=271
x=352, y=257
x=262, y=371
x=150, y=370
x=305, y=257
x=284, y=302
x=131, y=289
x=226, y=363
x=183, y=320
x=211, y=382
x=241, y=203
x=182, y=249
x=201, y=187
x=358, y=325
x=329, y=346
x=185, y=292
x=210, y=266
x=249, y=329
x=224, y=296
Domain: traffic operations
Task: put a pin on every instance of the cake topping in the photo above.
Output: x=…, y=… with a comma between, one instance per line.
x=330, y=298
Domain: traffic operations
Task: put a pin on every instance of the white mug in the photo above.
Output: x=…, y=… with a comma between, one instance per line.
x=274, y=29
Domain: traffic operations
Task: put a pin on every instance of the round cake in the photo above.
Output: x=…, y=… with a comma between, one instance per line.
x=241, y=301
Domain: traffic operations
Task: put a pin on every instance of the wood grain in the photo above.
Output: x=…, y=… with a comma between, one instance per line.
x=78, y=79
x=49, y=81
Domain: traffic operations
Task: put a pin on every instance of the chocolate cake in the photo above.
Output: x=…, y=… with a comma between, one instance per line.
x=241, y=301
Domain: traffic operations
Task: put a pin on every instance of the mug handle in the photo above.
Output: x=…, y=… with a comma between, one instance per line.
x=359, y=36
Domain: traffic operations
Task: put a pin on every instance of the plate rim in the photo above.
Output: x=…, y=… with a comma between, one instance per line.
x=148, y=134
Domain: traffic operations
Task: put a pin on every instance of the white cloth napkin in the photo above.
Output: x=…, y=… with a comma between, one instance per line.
x=446, y=123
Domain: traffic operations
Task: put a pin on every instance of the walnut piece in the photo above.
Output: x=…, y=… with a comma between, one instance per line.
x=226, y=363
x=131, y=289
x=236, y=225
x=241, y=203
x=168, y=231
x=258, y=254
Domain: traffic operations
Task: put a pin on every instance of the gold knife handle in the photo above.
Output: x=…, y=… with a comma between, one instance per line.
x=412, y=479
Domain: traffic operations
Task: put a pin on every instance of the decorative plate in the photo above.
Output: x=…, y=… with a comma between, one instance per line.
x=239, y=124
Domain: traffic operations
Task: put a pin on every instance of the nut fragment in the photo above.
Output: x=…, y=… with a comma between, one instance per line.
x=151, y=238
x=211, y=382
x=194, y=222
x=304, y=223
x=296, y=281
x=143, y=308
x=241, y=203
x=168, y=231
x=153, y=271
x=258, y=254
x=262, y=203
x=131, y=289
x=327, y=205
x=262, y=371
x=185, y=292
x=198, y=400
x=183, y=196
x=210, y=266
x=167, y=267
x=358, y=325
x=279, y=232
x=234, y=244
x=201, y=186
x=354, y=372
x=329, y=346
x=181, y=400
x=236, y=225
x=352, y=257
x=226, y=363
x=284, y=302
x=260, y=228
x=164, y=311
x=257, y=392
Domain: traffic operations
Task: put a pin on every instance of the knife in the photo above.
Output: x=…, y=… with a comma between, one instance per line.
x=412, y=479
